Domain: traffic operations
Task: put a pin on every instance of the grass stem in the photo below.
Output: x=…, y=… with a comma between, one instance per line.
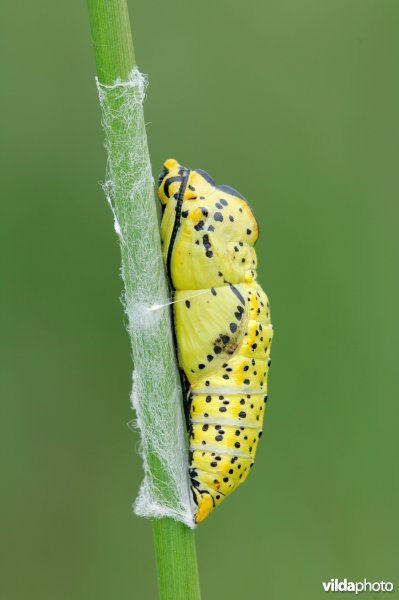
x=115, y=59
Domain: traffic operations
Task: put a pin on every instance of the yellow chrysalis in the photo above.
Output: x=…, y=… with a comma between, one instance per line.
x=223, y=334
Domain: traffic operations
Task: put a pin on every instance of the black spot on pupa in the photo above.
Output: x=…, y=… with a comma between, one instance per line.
x=219, y=206
x=224, y=202
x=231, y=218
x=206, y=242
x=188, y=303
x=249, y=232
x=213, y=292
x=184, y=213
x=225, y=339
x=209, y=357
x=201, y=366
x=218, y=216
x=199, y=226
x=233, y=327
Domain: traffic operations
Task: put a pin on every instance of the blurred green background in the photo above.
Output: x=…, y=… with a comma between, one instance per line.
x=296, y=105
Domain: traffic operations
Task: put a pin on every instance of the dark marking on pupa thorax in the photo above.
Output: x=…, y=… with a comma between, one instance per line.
x=237, y=293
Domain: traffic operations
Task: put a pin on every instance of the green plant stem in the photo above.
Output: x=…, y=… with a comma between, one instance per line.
x=112, y=39
x=114, y=56
x=176, y=559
